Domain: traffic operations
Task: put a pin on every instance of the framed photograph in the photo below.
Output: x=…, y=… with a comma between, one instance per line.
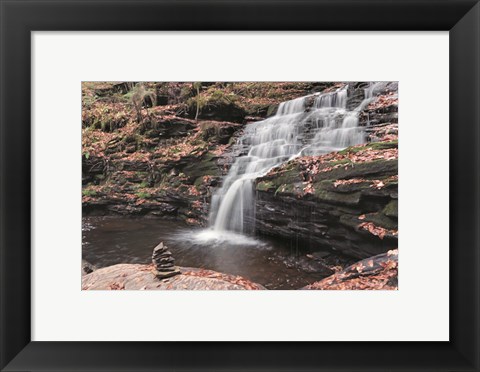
x=239, y=185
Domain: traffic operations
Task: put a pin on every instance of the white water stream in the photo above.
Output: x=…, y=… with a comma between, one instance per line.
x=294, y=131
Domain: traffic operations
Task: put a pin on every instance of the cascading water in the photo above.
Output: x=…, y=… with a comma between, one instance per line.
x=326, y=125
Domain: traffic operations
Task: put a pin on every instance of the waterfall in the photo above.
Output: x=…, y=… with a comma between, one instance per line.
x=310, y=125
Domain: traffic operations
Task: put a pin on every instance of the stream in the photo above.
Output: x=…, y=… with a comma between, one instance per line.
x=274, y=264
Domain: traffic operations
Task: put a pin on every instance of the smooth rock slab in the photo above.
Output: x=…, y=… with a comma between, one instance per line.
x=140, y=277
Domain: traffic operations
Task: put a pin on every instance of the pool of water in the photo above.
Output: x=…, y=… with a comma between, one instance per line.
x=274, y=264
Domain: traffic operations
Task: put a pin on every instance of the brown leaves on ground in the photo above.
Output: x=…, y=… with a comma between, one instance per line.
x=116, y=286
x=192, y=222
x=192, y=190
x=370, y=154
x=219, y=149
x=165, y=111
x=334, y=87
x=377, y=230
x=375, y=273
x=347, y=158
x=384, y=132
x=98, y=140
x=383, y=101
x=308, y=189
x=180, y=150
x=348, y=182
x=252, y=94
x=378, y=184
x=107, y=116
x=310, y=166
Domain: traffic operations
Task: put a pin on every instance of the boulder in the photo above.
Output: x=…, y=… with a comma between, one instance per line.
x=140, y=277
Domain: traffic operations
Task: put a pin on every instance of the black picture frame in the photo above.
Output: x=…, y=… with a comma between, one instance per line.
x=18, y=18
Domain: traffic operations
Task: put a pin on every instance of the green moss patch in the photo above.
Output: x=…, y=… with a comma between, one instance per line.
x=337, y=198
x=207, y=166
x=143, y=195
x=89, y=192
x=372, y=145
x=391, y=210
x=265, y=186
x=382, y=220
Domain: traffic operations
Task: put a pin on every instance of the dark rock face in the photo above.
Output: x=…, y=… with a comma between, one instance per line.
x=111, y=89
x=92, y=169
x=324, y=225
x=172, y=186
x=158, y=127
x=350, y=208
x=222, y=112
x=218, y=132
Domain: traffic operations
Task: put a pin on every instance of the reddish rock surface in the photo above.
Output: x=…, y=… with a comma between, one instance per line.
x=140, y=277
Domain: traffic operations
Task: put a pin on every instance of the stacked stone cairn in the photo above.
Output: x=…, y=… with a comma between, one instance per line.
x=163, y=262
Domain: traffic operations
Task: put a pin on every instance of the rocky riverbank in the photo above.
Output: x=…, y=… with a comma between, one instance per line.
x=379, y=272
x=376, y=273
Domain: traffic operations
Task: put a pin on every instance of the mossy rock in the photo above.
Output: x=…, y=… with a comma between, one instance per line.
x=132, y=138
x=383, y=145
x=382, y=220
x=89, y=192
x=391, y=210
x=213, y=131
x=349, y=220
x=207, y=166
x=255, y=109
x=143, y=195
x=198, y=182
x=265, y=186
x=329, y=185
x=288, y=174
x=272, y=109
x=291, y=188
x=143, y=185
x=373, y=146
x=217, y=106
x=373, y=170
x=337, y=162
x=349, y=199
